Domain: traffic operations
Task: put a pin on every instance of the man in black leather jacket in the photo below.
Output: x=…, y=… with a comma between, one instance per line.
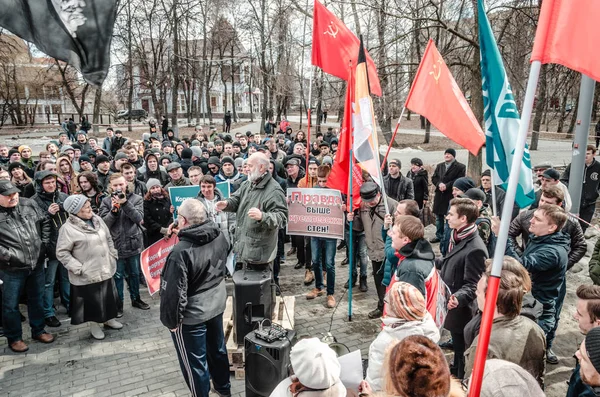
x=24, y=233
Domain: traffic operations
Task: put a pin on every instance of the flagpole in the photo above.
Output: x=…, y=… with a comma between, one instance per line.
x=351, y=194
x=494, y=209
x=308, y=122
x=494, y=281
x=584, y=116
x=393, y=137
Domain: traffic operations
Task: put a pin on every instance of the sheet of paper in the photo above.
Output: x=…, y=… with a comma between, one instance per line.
x=352, y=370
x=230, y=265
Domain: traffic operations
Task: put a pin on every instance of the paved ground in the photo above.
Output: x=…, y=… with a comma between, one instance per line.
x=140, y=359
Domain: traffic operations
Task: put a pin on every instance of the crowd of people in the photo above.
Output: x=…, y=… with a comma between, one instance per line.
x=77, y=215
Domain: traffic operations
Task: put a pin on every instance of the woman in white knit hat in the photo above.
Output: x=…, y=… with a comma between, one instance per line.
x=87, y=251
x=316, y=372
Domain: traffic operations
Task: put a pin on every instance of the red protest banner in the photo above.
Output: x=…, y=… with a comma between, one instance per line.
x=153, y=260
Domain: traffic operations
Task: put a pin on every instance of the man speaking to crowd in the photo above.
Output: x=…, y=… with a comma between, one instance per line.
x=261, y=209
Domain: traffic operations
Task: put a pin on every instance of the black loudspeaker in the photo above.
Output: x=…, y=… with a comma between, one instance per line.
x=267, y=364
x=252, y=300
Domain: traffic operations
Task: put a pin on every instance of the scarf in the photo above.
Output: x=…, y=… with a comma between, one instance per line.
x=460, y=234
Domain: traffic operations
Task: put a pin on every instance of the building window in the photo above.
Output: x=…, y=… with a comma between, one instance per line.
x=213, y=102
x=181, y=108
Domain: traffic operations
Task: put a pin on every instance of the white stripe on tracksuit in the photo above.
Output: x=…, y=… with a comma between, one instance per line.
x=184, y=358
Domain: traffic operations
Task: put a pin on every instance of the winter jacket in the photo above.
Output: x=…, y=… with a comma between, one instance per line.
x=106, y=145
x=518, y=340
x=576, y=386
x=24, y=235
x=441, y=201
x=500, y=196
x=233, y=179
x=372, y=220
x=308, y=182
x=185, y=165
x=158, y=174
x=192, y=289
x=139, y=187
x=404, y=189
x=87, y=252
x=157, y=218
x=256, y=241
x=589, y=192
x=224, y=220
x=420, y=181
x=545, y=258
x=293, y=183
x=183, y=181
x=461, y=270
x=44, y=200
x=390, y=334
x=414, y=269
x=531, y=309
x=116, y=144
x=520, y=227
x=125, y=224
x=104, y=180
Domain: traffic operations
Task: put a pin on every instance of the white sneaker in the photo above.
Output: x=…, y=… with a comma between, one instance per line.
x=113, y=324
x=97, y=333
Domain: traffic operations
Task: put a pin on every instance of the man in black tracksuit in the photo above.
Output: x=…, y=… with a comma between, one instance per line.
x=192, y=300
x=589, y=192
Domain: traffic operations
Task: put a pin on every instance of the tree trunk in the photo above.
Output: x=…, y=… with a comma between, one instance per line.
x=233, y=111
x=129, y=67
x=476, y=162
x=539, y=109
x=562, y=114
x=320, y=84
x=573, y=119
x=175, y=60
x=427, y=131
x=97, y=103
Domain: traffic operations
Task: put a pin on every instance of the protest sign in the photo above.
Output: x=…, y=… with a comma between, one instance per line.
x=315, y=213
x=153, y=260
x=179, y=194
x=225, y=189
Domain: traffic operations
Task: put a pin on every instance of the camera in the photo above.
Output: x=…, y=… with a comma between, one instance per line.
x=119, y=194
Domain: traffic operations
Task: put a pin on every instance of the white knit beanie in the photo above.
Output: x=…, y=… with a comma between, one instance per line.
x=315, y=364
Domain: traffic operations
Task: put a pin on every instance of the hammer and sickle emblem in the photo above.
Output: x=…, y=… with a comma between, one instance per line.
x=330, y=30
x=437, y=71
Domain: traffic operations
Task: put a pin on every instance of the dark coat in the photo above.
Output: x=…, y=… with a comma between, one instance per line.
x=415, y=268
x=441, y=200
x=404, y=189
x=24, y=234
x=500, y=196
x=591, y=174
x=191, y=288
x=420, y=185
x=125, y=224
x=157, y=215
x=545, y=258
x=520, y=227
x=44, y=200
x=461, y=270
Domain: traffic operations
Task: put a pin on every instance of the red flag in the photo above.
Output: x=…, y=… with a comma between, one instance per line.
x=567, y=34
x=334, y=46
x=339, y=176
x=435, y=95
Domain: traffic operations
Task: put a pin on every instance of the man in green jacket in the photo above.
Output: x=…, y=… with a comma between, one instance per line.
x=261, y=209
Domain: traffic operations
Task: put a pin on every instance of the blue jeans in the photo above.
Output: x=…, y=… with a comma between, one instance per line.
x=439, y=226
x=445, y=240
x=203, y=356
x=562, y=292
x=131, y=266
x=64, y=286
x=317, y=245
x=14, y=283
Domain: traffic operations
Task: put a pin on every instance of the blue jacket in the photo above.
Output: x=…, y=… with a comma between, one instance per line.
x=576, y=386
x=546, y=260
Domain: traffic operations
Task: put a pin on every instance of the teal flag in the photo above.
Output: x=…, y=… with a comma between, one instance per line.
x=501, y=116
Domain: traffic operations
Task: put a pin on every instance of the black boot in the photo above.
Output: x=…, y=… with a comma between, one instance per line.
x=354, y=277
x=363, y=284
